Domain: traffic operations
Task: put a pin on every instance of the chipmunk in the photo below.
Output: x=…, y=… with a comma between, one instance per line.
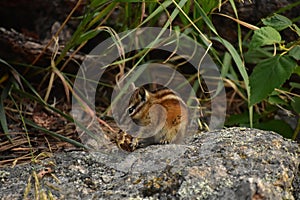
x=161, y=117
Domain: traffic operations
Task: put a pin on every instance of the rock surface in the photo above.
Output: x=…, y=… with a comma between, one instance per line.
x=235, y=163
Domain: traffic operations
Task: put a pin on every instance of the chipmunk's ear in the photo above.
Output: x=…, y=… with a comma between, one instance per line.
x=143, y=94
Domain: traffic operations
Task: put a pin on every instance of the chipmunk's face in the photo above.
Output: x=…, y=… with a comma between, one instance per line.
x=133, y=114
x=139, y=105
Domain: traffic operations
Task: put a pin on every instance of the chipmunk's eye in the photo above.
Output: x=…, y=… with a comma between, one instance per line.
x=130, y=110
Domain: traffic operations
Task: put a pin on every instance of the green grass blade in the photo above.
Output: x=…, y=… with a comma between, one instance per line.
x=238, y=26
x=157, y=11
x=3, y=119
x=242, y=69
x=53, y=134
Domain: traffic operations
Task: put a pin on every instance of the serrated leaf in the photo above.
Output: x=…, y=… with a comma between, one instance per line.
x=278, y=22
x=265, y=36
x=295, y=52
x=268, y=75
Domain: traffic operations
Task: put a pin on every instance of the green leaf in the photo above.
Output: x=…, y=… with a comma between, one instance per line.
x=278, y=126
x=296, y=104
x=254, y=56
x=265, y=36
x=268, y=75
x=278, y=22
x=237, y=119
x=295, y=52
x=297, y=70
x=241, y=119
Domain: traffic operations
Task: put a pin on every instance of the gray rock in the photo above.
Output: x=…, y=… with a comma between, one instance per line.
x=235, y=163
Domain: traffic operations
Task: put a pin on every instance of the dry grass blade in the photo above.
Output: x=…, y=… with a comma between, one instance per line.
x=250, y=26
